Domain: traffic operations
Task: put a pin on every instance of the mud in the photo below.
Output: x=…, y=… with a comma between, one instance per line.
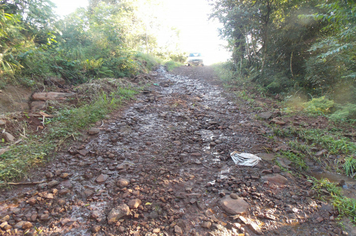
x=172, y=148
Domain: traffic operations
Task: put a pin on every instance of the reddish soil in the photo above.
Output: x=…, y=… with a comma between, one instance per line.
x=162, y=166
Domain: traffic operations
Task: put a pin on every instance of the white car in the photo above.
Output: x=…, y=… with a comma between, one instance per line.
x=195, y=58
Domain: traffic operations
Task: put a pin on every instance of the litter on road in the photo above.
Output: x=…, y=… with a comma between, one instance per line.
x=244, y=159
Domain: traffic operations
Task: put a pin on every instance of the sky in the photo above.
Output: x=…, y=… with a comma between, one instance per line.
x=197, y=33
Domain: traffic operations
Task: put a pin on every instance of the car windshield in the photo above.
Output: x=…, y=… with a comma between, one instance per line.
x=195, y=55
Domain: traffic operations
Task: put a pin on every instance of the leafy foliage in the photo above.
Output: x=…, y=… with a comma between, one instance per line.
x=296, y=46
x=319, y=105
x=345, y=206
x=106, y=40
x=344, y=113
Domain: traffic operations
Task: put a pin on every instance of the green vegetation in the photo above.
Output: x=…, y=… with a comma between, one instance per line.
x=296, y=158
x=170, y=65
x=302, y=52
x=319, y=105
x=35, y=150
x=345, y=206
x=108, y=39
x=350, y=166
x=331, y=140
x=296, y=49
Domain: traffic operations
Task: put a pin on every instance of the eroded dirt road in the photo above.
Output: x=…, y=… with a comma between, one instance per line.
x=162, y=167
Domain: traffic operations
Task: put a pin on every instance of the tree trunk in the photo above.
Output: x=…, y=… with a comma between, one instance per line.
x=265, y=35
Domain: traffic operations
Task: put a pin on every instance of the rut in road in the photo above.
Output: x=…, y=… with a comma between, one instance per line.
x=162, y=167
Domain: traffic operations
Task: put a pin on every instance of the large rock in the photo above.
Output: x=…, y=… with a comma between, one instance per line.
x=178, y=230
x=3, y=150
x=8, y=137
x=51, y=96
x=276, y=179
x=2, y=122
x=94, y=131
x=122, y=183
x=265, y=115
x=27, y=225
x=134, y=203
x=4, y=225
x=266, y=156
x=38, y=105
x=117, y=213
x=101, y=178
x=55, y=81
x=234, y=206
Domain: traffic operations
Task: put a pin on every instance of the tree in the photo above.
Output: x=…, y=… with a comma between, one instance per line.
x=332, y=67
x=268, y=39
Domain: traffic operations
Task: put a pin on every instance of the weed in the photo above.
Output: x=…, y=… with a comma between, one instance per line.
x=258, y=109
x=280, y=166
x=170, y=65
x=319, y=106
x=345, y=112
x=319, y=185
x=333, y=142
x=350, y=166
x=297, y=159
x=345, y=206
x=15, y=163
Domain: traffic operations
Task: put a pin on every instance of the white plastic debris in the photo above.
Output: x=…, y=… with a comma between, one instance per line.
x=244, y=159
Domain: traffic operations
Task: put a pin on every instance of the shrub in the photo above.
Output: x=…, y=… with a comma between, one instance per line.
x=170, y=65
x=319, y=105
x=344, y=112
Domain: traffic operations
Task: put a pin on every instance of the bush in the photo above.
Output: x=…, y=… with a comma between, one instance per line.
x=170, y=65
x=146, y=61
x=344, y=112
x=319, y=105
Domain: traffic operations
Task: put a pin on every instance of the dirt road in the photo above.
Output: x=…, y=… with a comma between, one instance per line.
x=162, y=166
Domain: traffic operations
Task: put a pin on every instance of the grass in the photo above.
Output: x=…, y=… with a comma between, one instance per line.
x=345, y=206
x=146, y=61
x=296, y=159
x=331, y=140
x=334, y=142
x=350, y=166
x=170, y=65
x=35, y=150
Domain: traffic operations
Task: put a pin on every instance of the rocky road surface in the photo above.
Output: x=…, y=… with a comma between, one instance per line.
x=162, y=166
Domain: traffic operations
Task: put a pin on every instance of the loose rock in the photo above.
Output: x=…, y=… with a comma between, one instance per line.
x=276, y=169
x=94, y=131
x=178, y=230
x=8, y=137
x=5, y=226
x=134, y=203
x=95, y=228
x=3, y=150
x=27, y=225
x=101, y=178
x=122, y=183
x=276, y=179
x=52, y=183
x=234, y=206
x=117, y=213
x=206, y=224
x=265, y=115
